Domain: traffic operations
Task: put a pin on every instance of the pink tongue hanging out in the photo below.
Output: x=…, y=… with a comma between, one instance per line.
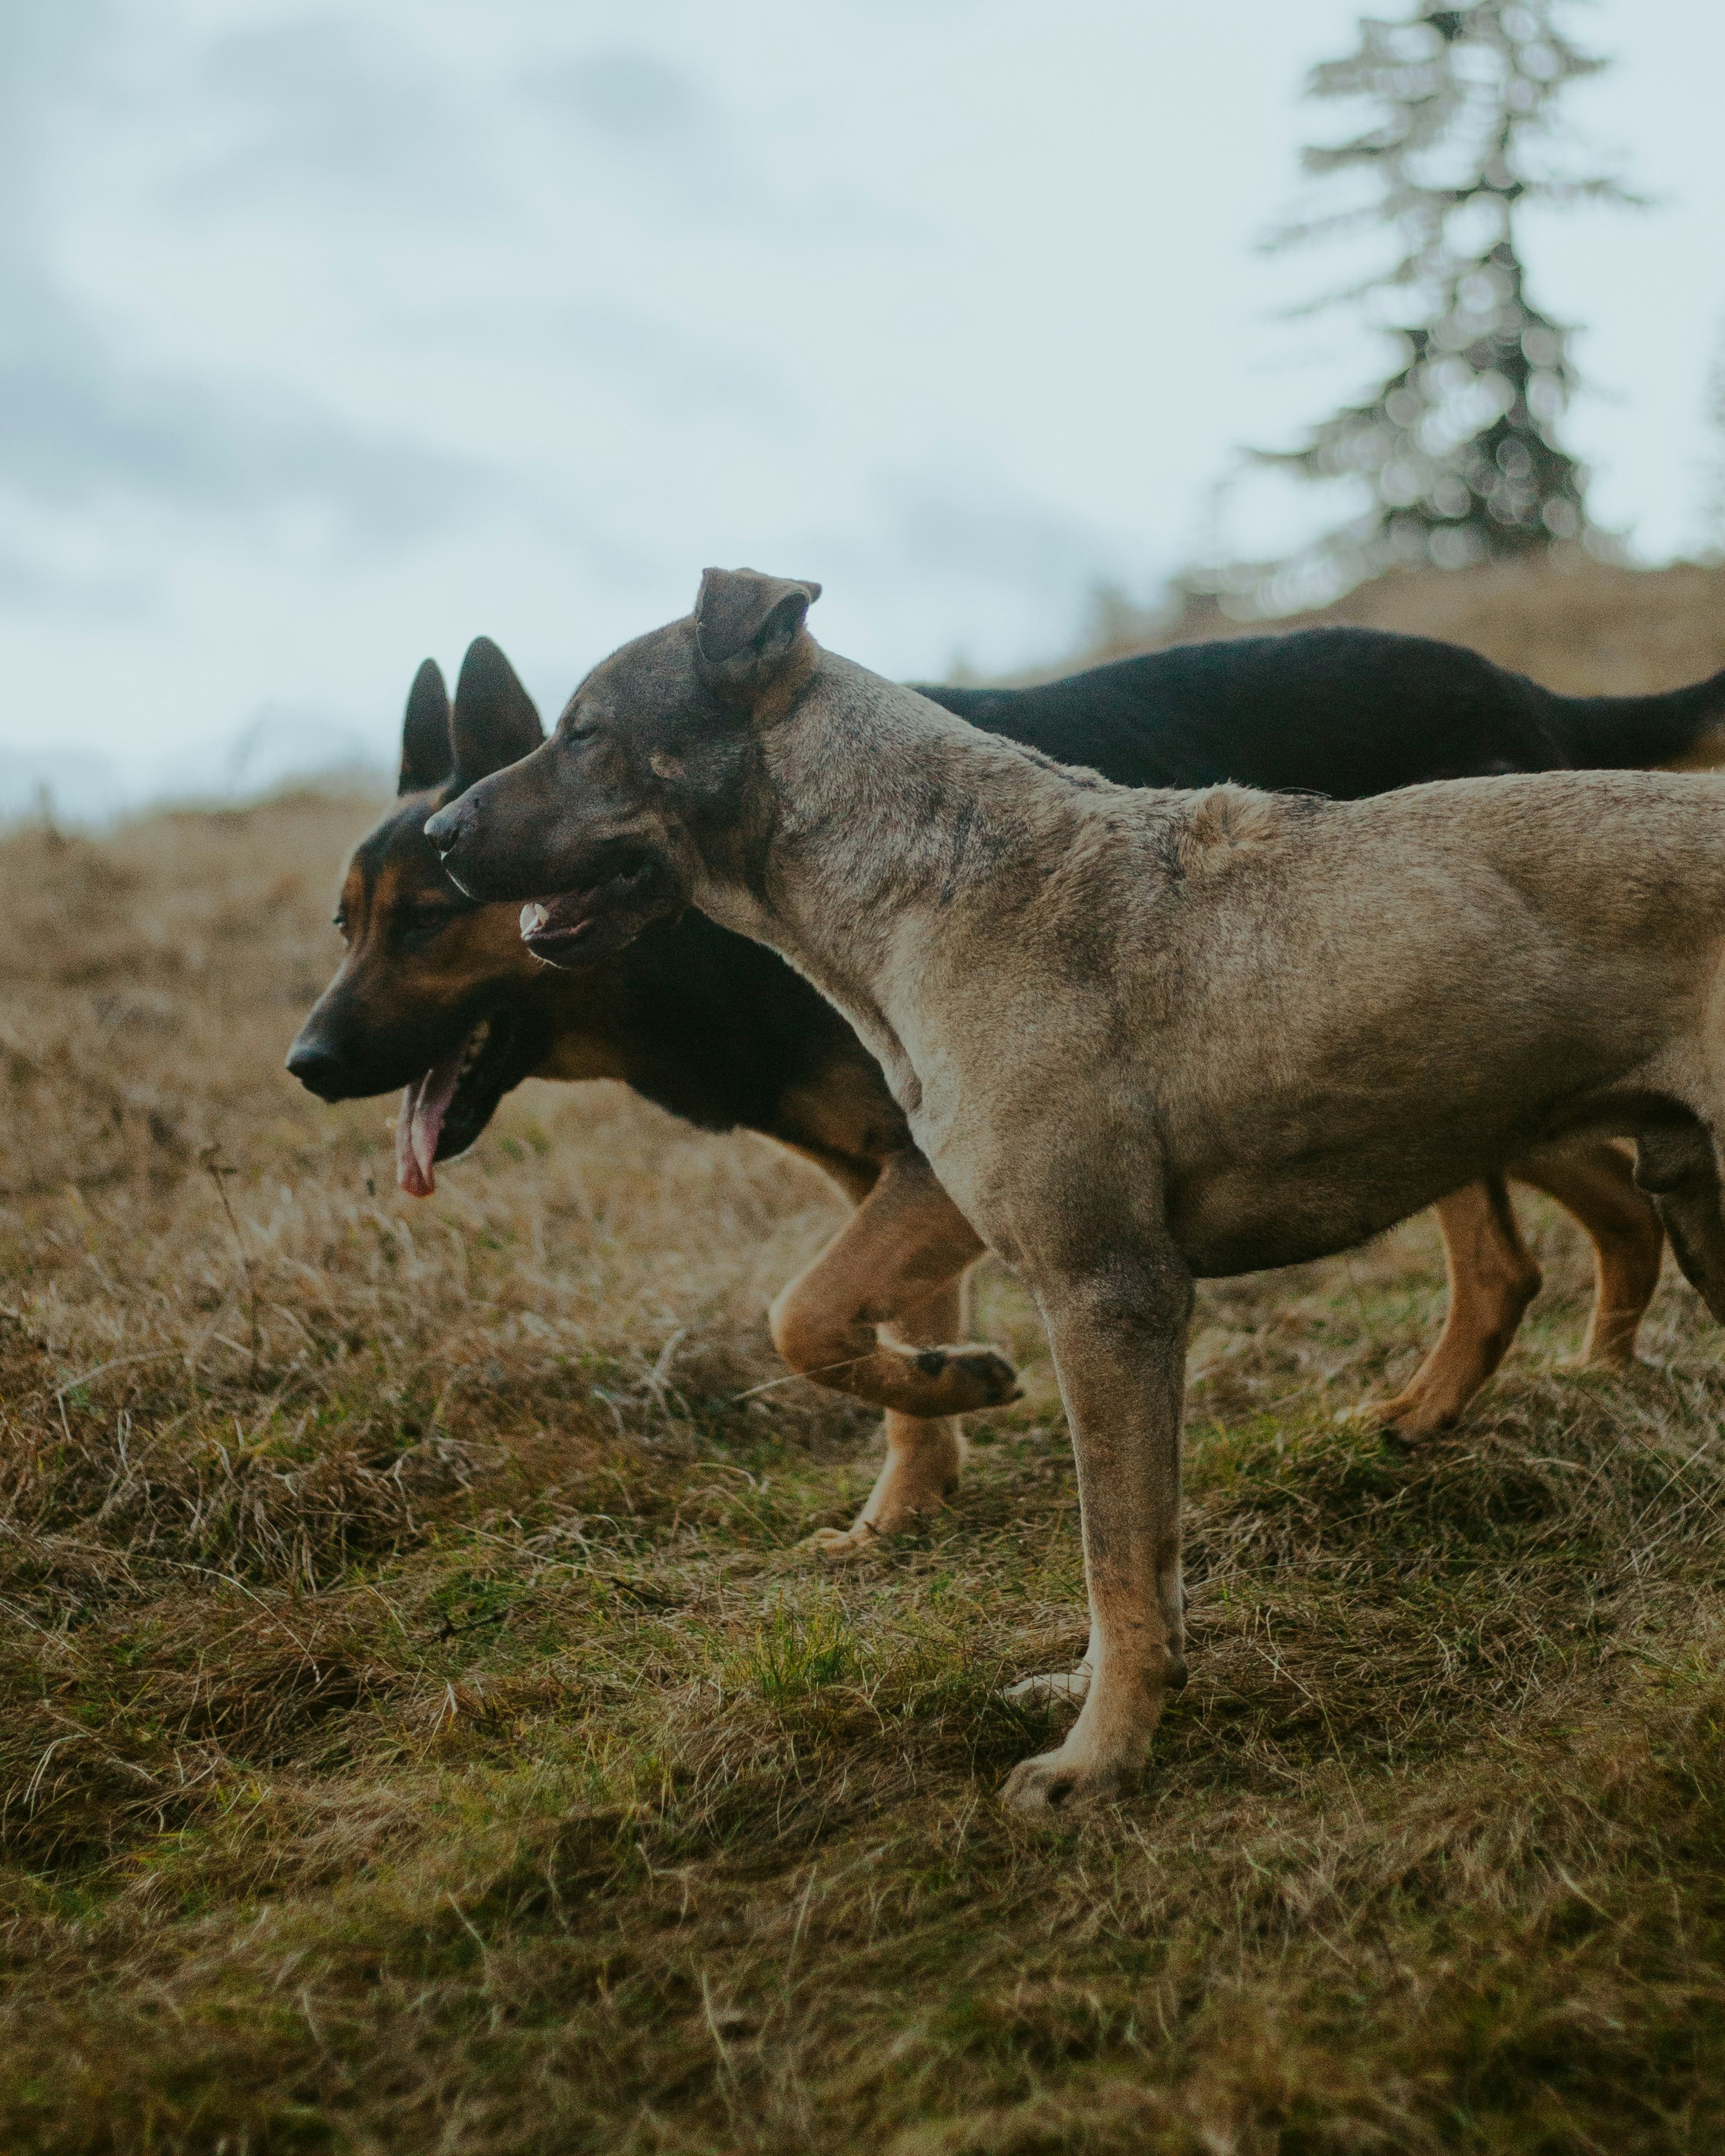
x=423, y=1108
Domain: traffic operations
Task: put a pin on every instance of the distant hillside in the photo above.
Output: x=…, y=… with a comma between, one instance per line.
x=1581, y=627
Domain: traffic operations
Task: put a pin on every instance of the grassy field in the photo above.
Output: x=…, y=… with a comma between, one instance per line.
x=422, y=1732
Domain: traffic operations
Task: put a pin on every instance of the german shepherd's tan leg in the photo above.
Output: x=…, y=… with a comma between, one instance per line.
x=1597, y=1183
x=905, y=1241
x=1492, y=1280
x=1120, y=1351
x=872, y=1317
x=1493, y=1276
x=925, y=1454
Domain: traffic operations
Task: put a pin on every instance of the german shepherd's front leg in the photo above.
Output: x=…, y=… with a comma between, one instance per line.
x=904, y=1243
x=1119, y=1346
x=925, y=1454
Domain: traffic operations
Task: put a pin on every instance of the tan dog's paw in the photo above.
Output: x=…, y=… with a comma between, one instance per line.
x=1050, y=1787
x=1053, y=1688
x=969, y=1378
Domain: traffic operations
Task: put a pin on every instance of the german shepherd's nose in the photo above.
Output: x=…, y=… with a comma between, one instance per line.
x=320, y=1069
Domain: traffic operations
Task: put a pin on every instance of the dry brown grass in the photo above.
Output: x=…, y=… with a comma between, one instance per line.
x=422, y=1733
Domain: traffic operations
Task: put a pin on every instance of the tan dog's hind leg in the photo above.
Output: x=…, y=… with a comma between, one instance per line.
x=925, y=1454
x=1597, y=1183
x=1492, y=1280
x=1120, y=1350
x=1681, y=1170
x=905, y=1242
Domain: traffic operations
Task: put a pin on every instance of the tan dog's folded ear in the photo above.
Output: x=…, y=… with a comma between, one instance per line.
x=747, y=625
x=495, y=721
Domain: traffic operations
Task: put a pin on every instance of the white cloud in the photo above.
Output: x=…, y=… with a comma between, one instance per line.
x=329, y=337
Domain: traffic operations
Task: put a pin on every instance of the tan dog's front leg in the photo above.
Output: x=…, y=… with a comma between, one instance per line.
x=925, y=1456
x=1120, y=1351
x=904, y=1241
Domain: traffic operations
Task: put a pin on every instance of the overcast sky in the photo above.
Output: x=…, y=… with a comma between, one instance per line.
x=332, y=335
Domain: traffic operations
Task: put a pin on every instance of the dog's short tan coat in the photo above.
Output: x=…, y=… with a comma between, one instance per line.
x=1143, y=1037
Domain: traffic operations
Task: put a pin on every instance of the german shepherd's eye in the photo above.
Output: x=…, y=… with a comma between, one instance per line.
x=416, y=929
x=338, y=921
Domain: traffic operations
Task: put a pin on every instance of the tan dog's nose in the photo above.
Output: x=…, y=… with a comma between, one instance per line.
x=452, y=832
x=447, y=829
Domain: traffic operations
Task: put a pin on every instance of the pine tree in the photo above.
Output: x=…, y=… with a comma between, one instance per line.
x=1458, y=447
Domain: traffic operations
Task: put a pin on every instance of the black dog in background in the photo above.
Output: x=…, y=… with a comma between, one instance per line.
x=1347, y=712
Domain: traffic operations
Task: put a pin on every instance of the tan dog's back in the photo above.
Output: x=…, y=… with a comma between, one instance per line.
x=1272, y=1003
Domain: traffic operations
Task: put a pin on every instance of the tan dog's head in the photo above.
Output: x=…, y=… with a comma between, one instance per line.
x=436, y=992
x=651, y=773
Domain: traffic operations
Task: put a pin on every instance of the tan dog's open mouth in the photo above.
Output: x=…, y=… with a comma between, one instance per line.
x=562, y=929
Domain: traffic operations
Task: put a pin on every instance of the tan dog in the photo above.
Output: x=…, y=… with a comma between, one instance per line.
x=1143, y=1036
x=438, y=997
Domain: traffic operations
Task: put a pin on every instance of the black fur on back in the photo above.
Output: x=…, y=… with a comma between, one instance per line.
x=1347, y=712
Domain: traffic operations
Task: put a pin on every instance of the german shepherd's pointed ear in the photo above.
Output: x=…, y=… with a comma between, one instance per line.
x=428, y=755
x=747, y=625
x=495, y=721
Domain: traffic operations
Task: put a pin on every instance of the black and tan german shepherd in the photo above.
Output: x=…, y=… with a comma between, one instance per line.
x=439, y=996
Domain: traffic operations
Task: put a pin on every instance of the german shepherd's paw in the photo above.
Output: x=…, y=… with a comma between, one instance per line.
x=1052, y=1688
x=967, y=1378
x=1050, y=1788
x=1406, y=1421
x=845, y=1545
